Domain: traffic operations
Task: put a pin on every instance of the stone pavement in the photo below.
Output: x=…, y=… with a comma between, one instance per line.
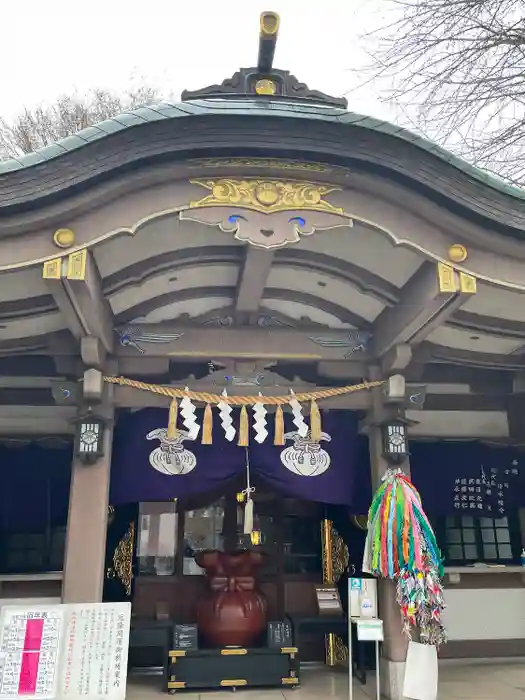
x=456, y=682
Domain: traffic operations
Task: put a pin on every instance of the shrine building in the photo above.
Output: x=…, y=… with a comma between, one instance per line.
x=258, y=239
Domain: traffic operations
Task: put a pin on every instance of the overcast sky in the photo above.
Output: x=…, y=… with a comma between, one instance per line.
x=49, y=47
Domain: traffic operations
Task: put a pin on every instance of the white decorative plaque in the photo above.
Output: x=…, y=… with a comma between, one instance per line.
x=56, y=652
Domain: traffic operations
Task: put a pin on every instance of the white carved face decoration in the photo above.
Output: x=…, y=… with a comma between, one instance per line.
x=269, y=231
x=171, y=457
x=263, y=212
x=304, y=457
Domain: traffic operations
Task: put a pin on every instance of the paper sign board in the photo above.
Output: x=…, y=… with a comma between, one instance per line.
x=64, y=651
x=370, y=630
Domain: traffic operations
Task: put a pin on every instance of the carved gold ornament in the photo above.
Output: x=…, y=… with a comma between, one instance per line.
x=457, y=253
x=265, y=87
x=450, y=281
x=266, y=196
x=75, y=265
x=123, y=560
x=269, y=23
x=467, y=283
x=63, y=238
x=52, y=269
x=335, y=558
x=276, y=163
x=447, y=279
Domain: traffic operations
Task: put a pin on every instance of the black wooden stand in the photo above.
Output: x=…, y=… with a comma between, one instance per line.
x=232, y=668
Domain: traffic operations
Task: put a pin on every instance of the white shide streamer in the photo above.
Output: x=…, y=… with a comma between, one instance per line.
x=187, y=411
x=225, y=413
x=259, y=423
x=298, y=419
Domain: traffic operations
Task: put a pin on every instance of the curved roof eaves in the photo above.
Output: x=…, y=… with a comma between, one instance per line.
x=252, y=107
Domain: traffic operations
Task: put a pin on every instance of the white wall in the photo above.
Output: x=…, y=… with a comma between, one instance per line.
x=485, y=613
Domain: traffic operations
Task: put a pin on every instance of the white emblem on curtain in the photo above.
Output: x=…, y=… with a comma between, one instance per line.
x=171, y=457
x=304, y=457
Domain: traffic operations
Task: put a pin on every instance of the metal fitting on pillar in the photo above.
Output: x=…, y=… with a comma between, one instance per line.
x=395, y=440
x=89, y=438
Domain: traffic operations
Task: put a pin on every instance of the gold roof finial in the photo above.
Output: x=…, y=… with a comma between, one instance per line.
x=268, y=33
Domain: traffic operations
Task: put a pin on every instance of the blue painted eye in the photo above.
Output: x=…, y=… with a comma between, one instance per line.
x=236, y=217
x=298, y=220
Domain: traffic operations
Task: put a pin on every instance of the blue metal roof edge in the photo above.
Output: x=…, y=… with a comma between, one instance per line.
x=247, y=107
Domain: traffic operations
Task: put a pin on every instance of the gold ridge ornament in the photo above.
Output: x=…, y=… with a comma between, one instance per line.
x=266, y=213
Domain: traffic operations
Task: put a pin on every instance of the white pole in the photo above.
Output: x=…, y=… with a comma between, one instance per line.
x=378, y=682
x=350, y=665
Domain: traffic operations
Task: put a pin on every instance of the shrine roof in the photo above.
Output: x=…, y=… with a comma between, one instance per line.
x=250, y=107
x=244, y=127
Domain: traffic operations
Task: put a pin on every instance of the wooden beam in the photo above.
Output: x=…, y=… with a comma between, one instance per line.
x=253, y=276
x=214, y=344
x=459, y=424
x=427, y=300
x=76, y=286
x=37, y=420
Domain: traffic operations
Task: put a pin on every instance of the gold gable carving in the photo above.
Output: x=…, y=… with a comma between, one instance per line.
x=266, y=196
x=260, y=163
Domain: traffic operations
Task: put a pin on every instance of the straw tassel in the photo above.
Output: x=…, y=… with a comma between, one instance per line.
x=172, y=419
x=244, y=428
x=207, y=426
x=278, y=435
x=315, y=422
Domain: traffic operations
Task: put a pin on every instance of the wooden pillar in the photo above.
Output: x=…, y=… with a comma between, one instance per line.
x=84, y=565
x=394, y=650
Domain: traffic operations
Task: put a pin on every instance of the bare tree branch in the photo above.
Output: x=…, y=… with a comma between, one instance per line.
x=458, y=68
x=41, y=126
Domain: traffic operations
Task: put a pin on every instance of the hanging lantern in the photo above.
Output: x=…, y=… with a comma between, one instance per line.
x=89, y=440
x=395, y=441
x=256, y=537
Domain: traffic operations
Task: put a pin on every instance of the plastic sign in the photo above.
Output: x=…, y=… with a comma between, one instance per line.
x=370, y=630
